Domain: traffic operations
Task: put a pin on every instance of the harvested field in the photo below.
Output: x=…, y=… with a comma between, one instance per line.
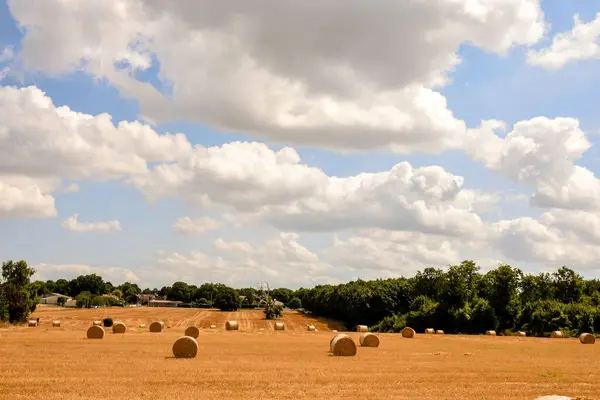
x=59, y=363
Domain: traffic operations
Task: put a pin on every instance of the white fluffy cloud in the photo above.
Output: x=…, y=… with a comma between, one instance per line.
x=581, y=43
x=277, y=260
x=23, y=197
x=275, y=187
x=115, y=275
x=40, y=144
x=73, y=224
x=540, y=153
x=195, y=226
x=342, y=75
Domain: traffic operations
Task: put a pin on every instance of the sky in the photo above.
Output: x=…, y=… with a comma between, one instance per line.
x=299, y=143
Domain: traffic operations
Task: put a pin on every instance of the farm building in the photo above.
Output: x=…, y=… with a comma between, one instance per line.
x=52, y=298
x=164, y=303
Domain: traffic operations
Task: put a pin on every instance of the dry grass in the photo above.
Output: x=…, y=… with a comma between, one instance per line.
x=59, y=363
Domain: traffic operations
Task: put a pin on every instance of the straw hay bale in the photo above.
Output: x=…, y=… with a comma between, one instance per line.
x=362, y=328
x=142, y=325
x=439, y=332
x=408, y=332
x=311, y=328
x=521, y=333
x=192, y=331
x=490, y=333
x=331, y=341
x=343, y=345
x=56, y=324
x=279, y=326
x=369, y=339
x=587, y=338
x=213, y=327
x=97, y=323
x=557, y=334
x=32, y=323
x=429, y=331
x=119, y=327
x=185, y=347
x=232, y=326
x=157, y=326
x=95, y=332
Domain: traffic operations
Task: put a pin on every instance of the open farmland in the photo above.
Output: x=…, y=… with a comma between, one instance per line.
x=60, y=363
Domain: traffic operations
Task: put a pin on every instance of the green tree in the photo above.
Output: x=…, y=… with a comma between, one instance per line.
x=227, y=299
x=180, y=291
x=15, y=287
x=295, y=303
x=568, y=285
x=84, y=299
x=503, y=295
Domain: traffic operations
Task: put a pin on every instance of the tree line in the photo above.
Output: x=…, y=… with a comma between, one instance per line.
x=459, y=299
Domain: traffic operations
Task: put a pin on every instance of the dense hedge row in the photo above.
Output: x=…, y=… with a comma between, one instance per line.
x=462, y=300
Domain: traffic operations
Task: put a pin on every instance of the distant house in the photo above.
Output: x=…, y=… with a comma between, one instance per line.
x=164, y=303
x=52, y=298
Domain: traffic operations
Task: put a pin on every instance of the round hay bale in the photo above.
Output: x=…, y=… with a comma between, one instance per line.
x=56, y=324
x=232, y=326
x=490, y=333
x=192, y=331
x=119, y=327
x=557, y=334
x=213, y=327
x=95, y=332
x=368, y=339
x=97, y=323
x=343, y=345
x=521, y=333
x=279, y=326
x=429, y=331
x=331, y=341
x=185, y=347
x=362, y=328
x=439, y=332
x=408, y=332
x=157, y=326
x=587, y=338
x=142, y=325
x=32, y=323
x=311, y=328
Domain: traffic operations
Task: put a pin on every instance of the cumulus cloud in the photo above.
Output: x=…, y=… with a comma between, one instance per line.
x=540, y=153
x=195, y=226
x=276, y=260
x=41, y=143
x=21, y=197
x=341, y=75
x=72, y=223
x=116, y=275
x=581, y=43
x=274, y=187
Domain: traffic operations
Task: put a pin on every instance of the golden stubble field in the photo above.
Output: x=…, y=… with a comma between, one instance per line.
x=60, y=363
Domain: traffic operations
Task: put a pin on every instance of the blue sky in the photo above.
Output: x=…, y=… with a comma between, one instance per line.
x=484, y=86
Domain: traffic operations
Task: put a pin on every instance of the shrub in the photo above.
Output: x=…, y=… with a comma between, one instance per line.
x=107, y=322
x=391, y=324
x=295, y=303
x=273, y=312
